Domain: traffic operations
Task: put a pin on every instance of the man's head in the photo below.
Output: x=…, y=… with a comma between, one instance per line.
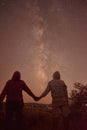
x=16, y=76
x=56, y=75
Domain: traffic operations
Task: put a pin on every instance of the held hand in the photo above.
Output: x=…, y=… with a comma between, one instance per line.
x=37, y=98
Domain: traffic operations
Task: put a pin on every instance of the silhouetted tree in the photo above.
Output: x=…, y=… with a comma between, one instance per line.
x=78, y=96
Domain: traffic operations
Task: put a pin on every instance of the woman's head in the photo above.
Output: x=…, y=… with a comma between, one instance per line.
x=56, y=75
x=16, y=76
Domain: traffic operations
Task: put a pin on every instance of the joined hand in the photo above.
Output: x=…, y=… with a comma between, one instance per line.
x=37, y=98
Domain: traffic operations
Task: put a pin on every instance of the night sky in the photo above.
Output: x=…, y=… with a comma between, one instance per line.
x=38, y=37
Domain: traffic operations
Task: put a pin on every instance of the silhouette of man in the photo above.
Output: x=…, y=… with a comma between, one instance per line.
x=14, y=98
x=59, y=100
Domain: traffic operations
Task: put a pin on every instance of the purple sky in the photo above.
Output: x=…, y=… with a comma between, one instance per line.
x=38, y=37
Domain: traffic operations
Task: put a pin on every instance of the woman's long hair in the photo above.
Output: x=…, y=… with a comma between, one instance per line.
x=16, y=76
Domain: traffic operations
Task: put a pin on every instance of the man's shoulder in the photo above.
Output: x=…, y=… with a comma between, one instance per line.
x=62, y=81
x=50, y=81
x=59, y=80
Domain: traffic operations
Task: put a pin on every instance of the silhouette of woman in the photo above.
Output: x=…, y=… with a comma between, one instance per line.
x=14, y=98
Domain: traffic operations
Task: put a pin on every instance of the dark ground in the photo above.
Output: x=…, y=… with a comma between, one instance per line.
x=39, y=117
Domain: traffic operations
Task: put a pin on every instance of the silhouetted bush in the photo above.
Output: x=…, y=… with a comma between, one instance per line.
x=78, y=96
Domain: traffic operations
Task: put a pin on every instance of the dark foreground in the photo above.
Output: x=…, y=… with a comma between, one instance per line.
x=39, y=117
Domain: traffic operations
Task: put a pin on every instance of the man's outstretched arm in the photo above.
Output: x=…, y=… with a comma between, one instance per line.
x=46, y=91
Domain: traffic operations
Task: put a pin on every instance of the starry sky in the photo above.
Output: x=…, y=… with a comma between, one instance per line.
x=38, y=37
